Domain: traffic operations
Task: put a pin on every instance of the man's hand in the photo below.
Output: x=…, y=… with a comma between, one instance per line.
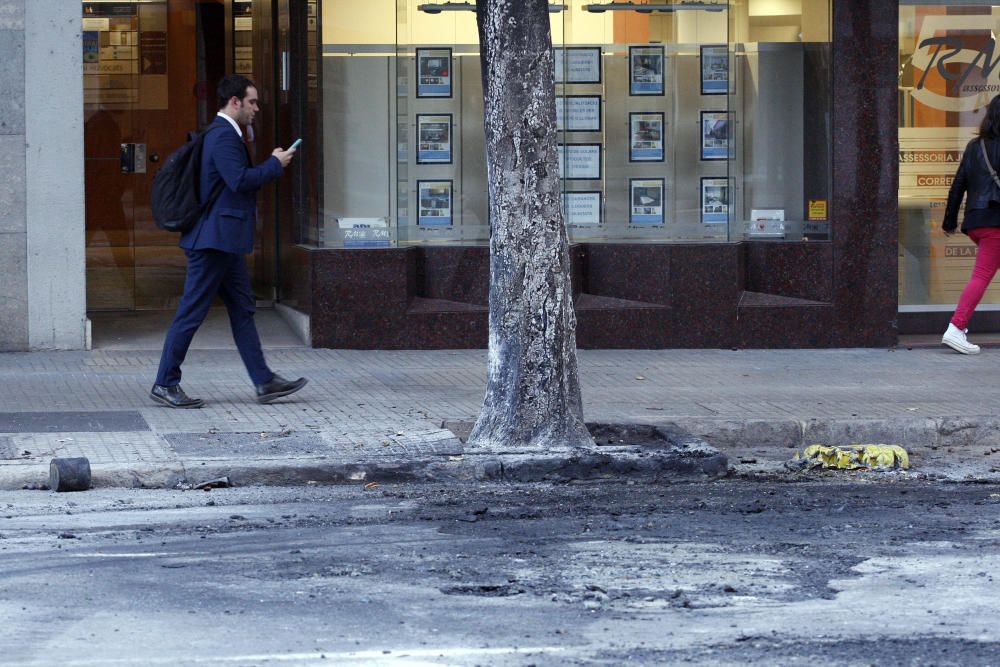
x=284, y=157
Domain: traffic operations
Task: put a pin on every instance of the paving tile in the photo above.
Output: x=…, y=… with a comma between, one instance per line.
x=62, y=422
x=256, y=444
x=107, y=447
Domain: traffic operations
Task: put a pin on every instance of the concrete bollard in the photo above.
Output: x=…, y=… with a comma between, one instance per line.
x=69, y=474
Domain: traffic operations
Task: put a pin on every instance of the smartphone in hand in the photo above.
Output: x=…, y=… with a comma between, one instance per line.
x=295, y=145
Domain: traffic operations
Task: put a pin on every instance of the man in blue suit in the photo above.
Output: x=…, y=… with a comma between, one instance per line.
x=215, y=248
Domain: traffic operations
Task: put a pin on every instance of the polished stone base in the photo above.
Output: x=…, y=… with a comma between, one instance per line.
x=627, y=296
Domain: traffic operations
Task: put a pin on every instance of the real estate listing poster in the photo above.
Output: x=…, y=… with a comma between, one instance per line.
x=714, y=135
x=578, y=113
x=646, y=201
x=645, y=136
x=714, y=69
x=434, y=72
x=582, y=208
x=434, y=138
x=434, y=203
x=714, y=200
x=580, y=162
x=646, y=66
x=578, y=64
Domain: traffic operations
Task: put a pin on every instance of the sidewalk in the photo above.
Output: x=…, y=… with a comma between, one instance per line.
x=377, y=416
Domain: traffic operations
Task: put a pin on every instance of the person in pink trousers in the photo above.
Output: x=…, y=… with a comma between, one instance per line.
x=977, y=181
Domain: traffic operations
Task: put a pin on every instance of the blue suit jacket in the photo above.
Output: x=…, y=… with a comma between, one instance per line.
x=229, y=224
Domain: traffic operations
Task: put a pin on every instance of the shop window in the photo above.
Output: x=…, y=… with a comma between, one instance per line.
x=947, y=77
x=686, y=122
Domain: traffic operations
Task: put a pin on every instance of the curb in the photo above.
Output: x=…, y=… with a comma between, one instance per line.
x=942, y=432
x=157, y=475
x=669, y=449
x=672, y=457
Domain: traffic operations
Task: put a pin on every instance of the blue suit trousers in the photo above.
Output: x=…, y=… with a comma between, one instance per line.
x=212, y=272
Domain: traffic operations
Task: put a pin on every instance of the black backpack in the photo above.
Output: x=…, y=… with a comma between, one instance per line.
x=176, y=200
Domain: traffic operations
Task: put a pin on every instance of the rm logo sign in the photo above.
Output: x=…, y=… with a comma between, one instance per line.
x=943, y=41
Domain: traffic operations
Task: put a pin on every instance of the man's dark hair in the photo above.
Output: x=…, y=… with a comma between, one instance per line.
x=990, y=128
x=233, y=85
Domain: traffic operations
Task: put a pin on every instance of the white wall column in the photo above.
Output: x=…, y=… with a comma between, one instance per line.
x=54, y=169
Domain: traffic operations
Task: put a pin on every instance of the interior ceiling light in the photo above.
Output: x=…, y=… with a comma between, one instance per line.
x=650, y=8
x=467, y=7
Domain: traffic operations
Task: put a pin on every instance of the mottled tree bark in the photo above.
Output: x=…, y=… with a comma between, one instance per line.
x=533, y=390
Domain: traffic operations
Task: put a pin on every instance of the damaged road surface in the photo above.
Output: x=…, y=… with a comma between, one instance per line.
x=855, y=572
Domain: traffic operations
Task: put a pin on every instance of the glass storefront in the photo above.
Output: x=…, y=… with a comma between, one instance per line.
x=948, y=74
x=679, y=122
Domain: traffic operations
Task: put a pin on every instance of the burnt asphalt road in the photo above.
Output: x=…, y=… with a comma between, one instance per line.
x=876, y=570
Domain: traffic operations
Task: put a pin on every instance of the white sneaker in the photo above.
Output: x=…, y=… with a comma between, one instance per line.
x=955, y=339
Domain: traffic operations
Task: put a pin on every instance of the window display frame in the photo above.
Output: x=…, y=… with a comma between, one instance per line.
x=701, y=62
x=600, y=161
x=565, y=61
x=662, y=206
x=632, y=157
x=659, y=88
x=419, y=54
x=451, y=203
x=719, y=114
x=562, y=103
x=724, y=182
x=451, y=133
x=600, y=208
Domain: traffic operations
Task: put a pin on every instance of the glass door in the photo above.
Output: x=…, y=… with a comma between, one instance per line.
x=111, y=90
x=150, y=71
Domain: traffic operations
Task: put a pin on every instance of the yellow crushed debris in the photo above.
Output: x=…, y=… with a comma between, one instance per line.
x=853, y=457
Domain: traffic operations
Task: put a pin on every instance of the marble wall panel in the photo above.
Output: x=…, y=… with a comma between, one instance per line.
x=801, y=270
x=459, y=273
x=624, y=271
x=360, y=297
x=865, y=205
x=706, y=284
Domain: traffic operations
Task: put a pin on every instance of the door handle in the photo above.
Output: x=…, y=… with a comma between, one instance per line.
x=132, y=158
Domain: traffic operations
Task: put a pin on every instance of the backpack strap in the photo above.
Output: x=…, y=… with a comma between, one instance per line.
x=217, y=191
x=989, y=165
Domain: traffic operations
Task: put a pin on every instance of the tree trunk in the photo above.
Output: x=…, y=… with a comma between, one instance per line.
x=533, y=391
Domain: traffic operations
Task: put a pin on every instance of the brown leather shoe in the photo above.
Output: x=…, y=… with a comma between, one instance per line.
x=278, y=387
x=174, y=397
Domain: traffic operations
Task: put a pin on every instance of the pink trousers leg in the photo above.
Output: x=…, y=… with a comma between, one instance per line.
x=987, y=261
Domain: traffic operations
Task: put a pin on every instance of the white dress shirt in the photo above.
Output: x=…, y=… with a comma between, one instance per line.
x=236, y=126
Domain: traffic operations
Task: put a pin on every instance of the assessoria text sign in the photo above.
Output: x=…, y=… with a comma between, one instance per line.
x=930, y=157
